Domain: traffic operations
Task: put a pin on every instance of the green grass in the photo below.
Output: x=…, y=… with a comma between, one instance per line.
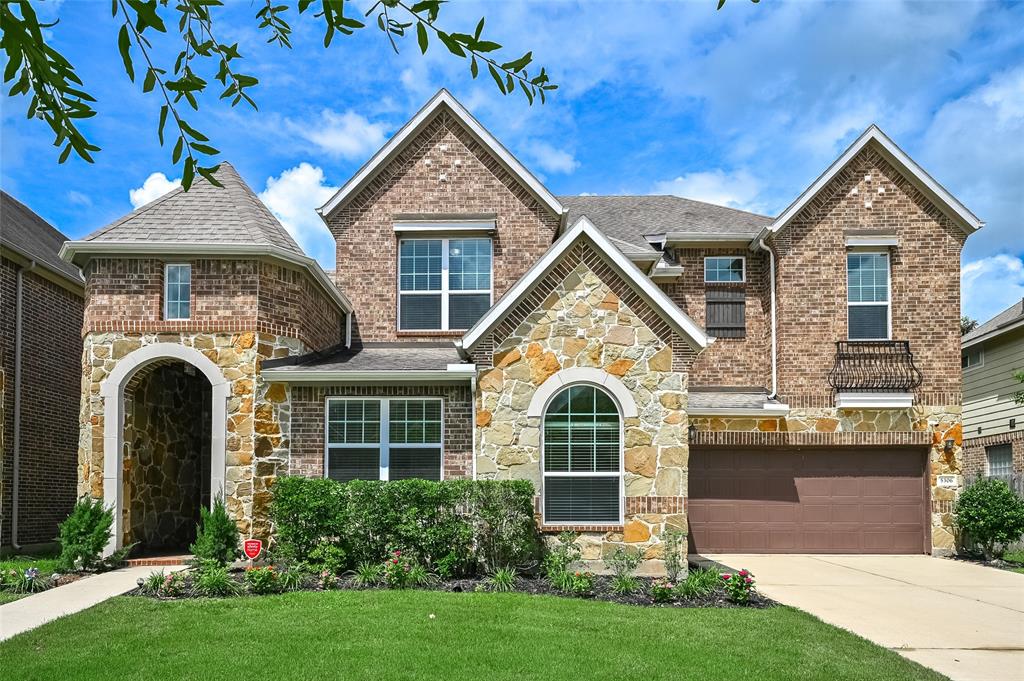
x=47, y=566
x=390, y=635
x=1017, y=558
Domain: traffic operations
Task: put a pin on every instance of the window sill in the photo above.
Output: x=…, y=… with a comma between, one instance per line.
x=557, y=529
x=850, y=400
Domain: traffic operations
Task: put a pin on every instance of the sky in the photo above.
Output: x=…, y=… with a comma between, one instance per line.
x=743, y=107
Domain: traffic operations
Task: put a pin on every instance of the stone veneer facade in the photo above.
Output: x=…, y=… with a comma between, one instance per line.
x=583, y=322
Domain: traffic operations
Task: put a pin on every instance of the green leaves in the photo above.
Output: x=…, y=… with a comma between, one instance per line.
x=124, y=46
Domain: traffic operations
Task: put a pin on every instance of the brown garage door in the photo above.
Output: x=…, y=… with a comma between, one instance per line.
x=807, y=501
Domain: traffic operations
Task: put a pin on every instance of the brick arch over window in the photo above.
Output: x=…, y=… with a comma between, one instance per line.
x=587, y=375
x=112, y=391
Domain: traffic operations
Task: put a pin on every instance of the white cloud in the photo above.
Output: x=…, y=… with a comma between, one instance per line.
x=346, y=135
x=294, y=197
x=155, y=186
x=78, y=198
x=737, y=189
x=990, y=285
x=550, y=159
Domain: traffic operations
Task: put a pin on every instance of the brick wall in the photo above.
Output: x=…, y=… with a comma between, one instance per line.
x=976, y=460
x=732, y=362
x=811, y=290
x=51, y=385
x=307, y=423
x=126, y=295
x=367, y=244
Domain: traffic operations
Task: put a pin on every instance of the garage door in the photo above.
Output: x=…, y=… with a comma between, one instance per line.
x=807, y=501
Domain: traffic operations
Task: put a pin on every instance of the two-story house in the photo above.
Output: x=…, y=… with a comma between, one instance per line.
x=648, y=362
x=991, y=357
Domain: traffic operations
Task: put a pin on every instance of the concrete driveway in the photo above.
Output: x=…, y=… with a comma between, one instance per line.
x=962, y=620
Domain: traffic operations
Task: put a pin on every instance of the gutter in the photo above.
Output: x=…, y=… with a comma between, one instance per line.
x=771, y=287
x=16, y=462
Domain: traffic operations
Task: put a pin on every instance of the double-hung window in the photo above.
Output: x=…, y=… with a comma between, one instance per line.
x=443, y=284
x=383, y=438
x=868, y=300
x=177, y=291
x=1000, y=461
x=582, y=458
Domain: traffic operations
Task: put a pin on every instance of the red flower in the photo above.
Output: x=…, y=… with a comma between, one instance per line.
x=395, y=561
x=397, y=554
x=749, y=580
x=727, y=576
x=743, y=573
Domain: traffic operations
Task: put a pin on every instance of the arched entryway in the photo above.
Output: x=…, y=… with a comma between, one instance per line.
x=163, y=451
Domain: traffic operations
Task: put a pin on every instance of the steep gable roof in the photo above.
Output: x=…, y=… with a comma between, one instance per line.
x=642, y=284
x=442, y=100
x=231, y=214
x=29, y=235
x=874, y=136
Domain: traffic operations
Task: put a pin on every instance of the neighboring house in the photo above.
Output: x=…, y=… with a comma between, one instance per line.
x=993, y=422
x=648, y=362
x=40, y=378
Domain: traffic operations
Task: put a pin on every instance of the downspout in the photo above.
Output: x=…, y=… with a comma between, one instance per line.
x=472, y=397
x=16, y=459
x=771, y=288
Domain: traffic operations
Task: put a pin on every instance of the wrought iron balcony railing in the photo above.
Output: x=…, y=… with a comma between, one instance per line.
x=874, y=367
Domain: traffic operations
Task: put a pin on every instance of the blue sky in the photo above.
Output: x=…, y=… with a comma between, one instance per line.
x=743, y=107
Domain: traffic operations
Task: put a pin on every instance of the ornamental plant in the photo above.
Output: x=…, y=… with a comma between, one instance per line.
x=575, y=583
x=396, y=571
x=213, y=579
x=173, y=585
x=990, y=515
x=622, y=564
x=27, y=581
x=674, y=554
x=738, y=586
x=84, y=534
x=262, y=580
x=663, y=591
x=216, y=535
x=559, y=557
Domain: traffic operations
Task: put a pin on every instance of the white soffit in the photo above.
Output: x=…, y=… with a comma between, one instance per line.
x=409, y=131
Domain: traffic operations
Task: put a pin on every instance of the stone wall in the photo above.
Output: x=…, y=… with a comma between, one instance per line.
x=257, y=428
x=583, y=323
x=925, y=426
x=167, y=455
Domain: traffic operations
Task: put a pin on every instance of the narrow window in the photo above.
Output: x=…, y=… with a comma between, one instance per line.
x=443, y=284
x=868, y=296
x=582, y=458
x=383, y=439
x=721, y=269
x=972, y=358
x=177, y=291
x=1000, y=461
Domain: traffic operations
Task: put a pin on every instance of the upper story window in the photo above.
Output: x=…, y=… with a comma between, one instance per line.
x=177, y=291
x=972, y=358
x=383, y=439
x=443, y=284
x=1000, y=461
x=868, y=300
x=582, y=458
x=725, y=269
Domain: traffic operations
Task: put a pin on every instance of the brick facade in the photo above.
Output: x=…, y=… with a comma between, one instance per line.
x=976, y=460
x=474, y=183
x=51, y=388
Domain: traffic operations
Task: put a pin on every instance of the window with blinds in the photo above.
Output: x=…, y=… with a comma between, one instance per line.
x=384, y=439
x=582, y=458
x=443, y=284
x=1000, y=461
x=867, y=290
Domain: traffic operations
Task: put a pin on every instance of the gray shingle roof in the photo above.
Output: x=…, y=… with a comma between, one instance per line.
x=375, y=357
x=1008, y=316
x=631, y=218
x=727, y=400
x=23, y=231
x=204, y=214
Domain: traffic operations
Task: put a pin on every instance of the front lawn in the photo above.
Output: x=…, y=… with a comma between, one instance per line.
x=46, y=565
x=434, y=635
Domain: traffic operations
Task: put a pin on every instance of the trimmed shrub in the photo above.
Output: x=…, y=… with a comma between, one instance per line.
x=216, y=536
x=991, y=515
x=84, y=534
x=453, y=527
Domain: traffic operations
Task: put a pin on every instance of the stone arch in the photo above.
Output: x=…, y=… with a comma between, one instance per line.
x=556, y=381
x=112, y=390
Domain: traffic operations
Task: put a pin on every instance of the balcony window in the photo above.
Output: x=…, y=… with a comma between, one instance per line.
x=868, y=300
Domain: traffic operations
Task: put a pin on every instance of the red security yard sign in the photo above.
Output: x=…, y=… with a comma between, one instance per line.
x=252, y=548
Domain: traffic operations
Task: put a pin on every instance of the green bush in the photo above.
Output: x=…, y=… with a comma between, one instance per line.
x=216, y=536
x=453, y=528
x=84, y=534
x=991, y=515
x=212, y=579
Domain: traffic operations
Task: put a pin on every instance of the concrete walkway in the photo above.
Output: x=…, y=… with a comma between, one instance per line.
x=963, y=620
x=37, y=609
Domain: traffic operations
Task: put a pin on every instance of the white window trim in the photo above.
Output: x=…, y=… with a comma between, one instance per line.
x=445, y=292
x=888, y=296
x=167, y=300
x=981, y=358
x=385, y=443
x=743, y=279
x=583, y=474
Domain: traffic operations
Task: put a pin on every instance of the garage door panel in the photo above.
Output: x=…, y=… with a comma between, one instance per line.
x=840, y=500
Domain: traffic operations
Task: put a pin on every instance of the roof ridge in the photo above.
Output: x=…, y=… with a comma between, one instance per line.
x=666, y=196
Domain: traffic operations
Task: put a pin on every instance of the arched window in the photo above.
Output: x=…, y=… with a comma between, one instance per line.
x=582, y=458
